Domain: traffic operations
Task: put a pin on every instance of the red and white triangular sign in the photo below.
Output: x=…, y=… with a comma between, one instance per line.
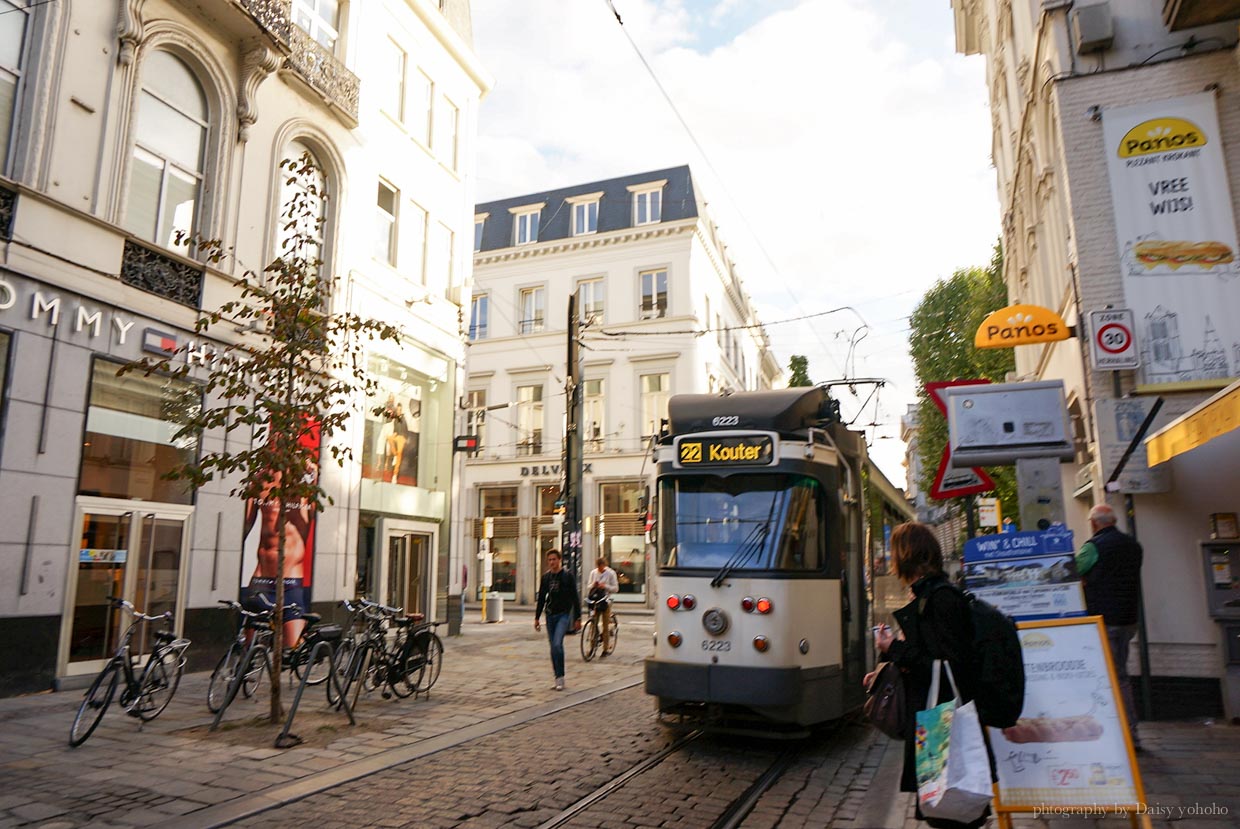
x=954, y=483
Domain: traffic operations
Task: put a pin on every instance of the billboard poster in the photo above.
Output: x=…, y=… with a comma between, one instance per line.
x=1070, y=747
x=261, y=543
x=1176, y=234
x=1027, y=575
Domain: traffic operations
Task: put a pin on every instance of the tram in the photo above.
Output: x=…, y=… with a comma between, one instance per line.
x=762, y=554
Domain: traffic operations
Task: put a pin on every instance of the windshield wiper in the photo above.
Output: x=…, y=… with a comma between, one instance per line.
x=752, y=544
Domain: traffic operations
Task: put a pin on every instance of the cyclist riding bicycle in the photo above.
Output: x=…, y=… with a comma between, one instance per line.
x=603, y=583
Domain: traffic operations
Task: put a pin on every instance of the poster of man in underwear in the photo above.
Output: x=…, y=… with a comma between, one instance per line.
x=261, y=550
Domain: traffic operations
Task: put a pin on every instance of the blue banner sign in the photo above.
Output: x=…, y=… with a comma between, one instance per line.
x=1028, y=575
x=1058, y=539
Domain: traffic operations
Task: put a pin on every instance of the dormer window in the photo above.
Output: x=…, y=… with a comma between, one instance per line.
x=647, y=202
x=585, y=213
x=480, y=222
x=525, y=223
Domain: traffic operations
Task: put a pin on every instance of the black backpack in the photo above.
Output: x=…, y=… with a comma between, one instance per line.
x=998, y=666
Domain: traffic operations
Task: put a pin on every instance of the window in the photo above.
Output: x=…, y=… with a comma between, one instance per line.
x=647, y=207
x=529, y=420
x=479, y=317
x=392, y=80
x=476, y=417
x=320, y=19
x=625, y=552
x=12, y=43
x=421, y=94
x=303, y=238
x=170, y=133
x=479, y=224
x=129, y=446
x=385, y=223
x=585, y=217
x=592, y=414
x=526, y=227
x=500, y=503
x=439, y=259
x=392, y=451
x=532, y=310
x=590, y=300
x=654, y=294
x=415, y=251
x=447, y=124
x=654, y=402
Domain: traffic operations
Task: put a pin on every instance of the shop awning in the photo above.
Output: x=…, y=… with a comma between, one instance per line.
x=1213, y=418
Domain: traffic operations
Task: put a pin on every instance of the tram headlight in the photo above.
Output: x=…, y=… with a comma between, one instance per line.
x=761, y=644
x=674, y=639
x=747, y=604
x=688, y=602
x=764, y=605
x=673, y=602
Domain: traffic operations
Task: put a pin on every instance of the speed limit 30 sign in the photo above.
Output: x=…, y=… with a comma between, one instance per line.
x=1111, y=341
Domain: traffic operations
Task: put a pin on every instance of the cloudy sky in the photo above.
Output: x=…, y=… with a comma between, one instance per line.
x=846, y=152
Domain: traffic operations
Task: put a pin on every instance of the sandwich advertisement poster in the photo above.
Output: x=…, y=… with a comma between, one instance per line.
x=1177, y=236
x=1069, y=747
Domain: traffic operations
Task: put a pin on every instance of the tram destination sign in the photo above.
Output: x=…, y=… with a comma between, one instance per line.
x=730, y=450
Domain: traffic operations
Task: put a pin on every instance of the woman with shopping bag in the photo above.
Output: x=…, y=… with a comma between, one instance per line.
x=935, y=630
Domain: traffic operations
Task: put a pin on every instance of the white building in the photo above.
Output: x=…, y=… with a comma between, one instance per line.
x=1098, y=108
x=664, y=312
x=126, y=121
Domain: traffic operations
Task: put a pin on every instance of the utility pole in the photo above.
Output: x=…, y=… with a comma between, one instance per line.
x=570, y=537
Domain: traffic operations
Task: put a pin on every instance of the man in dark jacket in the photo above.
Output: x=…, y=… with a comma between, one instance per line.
x=1110, y=567
x=557, y=594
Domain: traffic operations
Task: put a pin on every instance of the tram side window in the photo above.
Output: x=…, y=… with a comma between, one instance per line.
x=800, y=547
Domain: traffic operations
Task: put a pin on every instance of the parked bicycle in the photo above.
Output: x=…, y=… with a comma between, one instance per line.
x=386, y=649
x=592, y=632
x=144, y=694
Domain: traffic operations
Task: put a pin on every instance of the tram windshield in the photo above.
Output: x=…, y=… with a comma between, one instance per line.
x=741, y=522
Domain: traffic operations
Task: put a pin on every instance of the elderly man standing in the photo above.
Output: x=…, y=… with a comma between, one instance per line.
x=1110, y=566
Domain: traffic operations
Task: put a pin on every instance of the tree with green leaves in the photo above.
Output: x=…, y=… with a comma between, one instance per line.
x=289, y=383
x=943, y=326
x=798, y=368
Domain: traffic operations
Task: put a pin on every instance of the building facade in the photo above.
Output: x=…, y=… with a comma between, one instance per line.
x=1117, y=153
x=662, y=311
x=129, y=122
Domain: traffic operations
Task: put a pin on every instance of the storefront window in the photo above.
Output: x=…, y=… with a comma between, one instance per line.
x=622, y=535
x=128, y=446
x=500, y=505
x=393, y=437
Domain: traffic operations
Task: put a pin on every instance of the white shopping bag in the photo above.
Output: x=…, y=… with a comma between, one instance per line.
x=953, y=770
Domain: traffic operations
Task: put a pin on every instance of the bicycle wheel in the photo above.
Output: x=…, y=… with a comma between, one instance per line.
x=222, y=677
x=408, y=674
x=345, y=669
x=318, y=671
x=158, y=685
x=96, y=702
x=589, y=639
x=613, y=633
x=432, y=650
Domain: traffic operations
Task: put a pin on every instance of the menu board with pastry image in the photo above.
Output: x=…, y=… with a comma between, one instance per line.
x=1070, y=746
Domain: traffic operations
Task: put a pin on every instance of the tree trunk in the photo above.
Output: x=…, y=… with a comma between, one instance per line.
x=277, y=619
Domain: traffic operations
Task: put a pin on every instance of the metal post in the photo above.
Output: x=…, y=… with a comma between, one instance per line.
x=570, y=538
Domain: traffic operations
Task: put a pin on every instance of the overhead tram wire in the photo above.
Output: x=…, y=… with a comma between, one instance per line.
x=721, y=181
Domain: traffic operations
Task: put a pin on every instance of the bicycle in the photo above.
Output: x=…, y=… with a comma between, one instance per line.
x=402, y=665
x=254, y=627
x=144, y=695
x=591, y=633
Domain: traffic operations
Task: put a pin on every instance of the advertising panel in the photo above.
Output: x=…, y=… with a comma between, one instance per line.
x=1118, y=420
x=1027, y=575
x=1176, y=235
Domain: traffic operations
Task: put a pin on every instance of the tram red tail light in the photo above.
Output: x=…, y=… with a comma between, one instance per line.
x=674, y=639
x=673, y=602
x=688, y=602
x=761, y=644
x=747, y=604
x=764, y=605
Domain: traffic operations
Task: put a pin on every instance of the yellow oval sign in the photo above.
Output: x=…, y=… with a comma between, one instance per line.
x=1020, y=325
x=1161, y=135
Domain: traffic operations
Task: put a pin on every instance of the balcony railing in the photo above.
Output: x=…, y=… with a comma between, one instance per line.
x=317, y=66
x=152, y=270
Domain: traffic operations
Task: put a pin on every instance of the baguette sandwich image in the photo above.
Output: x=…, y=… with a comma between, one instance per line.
x=1078, y=729
x=1154, y=252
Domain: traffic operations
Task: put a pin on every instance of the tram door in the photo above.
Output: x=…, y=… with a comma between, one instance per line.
x=136, y=554
x=406, y=569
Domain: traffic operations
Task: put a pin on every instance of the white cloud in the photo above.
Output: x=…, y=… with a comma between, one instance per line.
x=848, y=145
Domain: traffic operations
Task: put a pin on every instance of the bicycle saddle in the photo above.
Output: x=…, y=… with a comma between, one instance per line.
x=312, y=618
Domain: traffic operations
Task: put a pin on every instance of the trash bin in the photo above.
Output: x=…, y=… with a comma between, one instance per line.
x=495, y=607
x=456, y=611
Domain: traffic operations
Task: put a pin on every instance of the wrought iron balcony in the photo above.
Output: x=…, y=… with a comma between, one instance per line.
x=1188, y=14
x=153, y=270
x=316, y=65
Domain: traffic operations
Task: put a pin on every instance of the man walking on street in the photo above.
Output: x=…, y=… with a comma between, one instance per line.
x=558, y=595
x=1110, y=566
x=603, y=585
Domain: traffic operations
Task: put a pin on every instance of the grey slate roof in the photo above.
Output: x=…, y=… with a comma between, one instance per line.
x=615, y=207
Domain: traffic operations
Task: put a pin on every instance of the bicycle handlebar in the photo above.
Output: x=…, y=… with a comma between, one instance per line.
x=391, y=611
x=237, y=606
x=138, y=614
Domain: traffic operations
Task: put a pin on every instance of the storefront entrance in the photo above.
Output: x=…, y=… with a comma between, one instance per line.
x=134, y=550
x=405, y=574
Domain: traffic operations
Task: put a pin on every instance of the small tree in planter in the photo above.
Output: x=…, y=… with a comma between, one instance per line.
x=294, y=379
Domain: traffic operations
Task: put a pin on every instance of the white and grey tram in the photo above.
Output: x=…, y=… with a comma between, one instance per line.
x=760, y=549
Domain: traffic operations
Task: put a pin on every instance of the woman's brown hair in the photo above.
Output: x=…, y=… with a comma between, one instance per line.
x=915, y=551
